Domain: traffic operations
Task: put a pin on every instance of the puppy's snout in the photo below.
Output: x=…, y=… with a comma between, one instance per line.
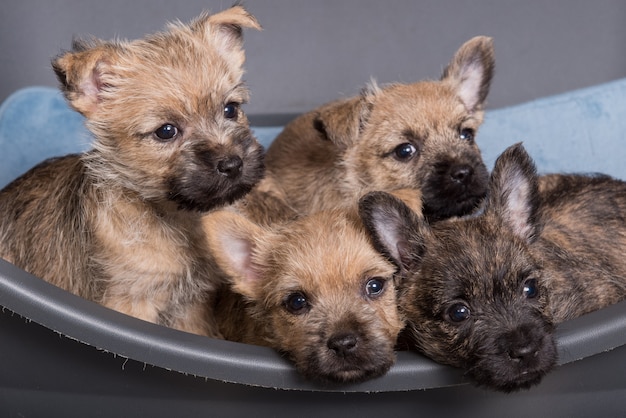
x=343, y=344
x=230, y=167
x=461, y=173
x=524, y=345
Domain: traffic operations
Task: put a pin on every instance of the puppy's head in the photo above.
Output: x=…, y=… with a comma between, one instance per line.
x=419, y=135
x=317, y=287
x=476, y=297
x=166, y=110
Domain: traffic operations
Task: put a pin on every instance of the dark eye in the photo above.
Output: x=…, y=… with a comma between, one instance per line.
x=296, y=303
x=467, y=134
x=374, y=287
x=458, y=312
x=231, y=110
x=404, y=152
x=166, y=132
x=530, y=289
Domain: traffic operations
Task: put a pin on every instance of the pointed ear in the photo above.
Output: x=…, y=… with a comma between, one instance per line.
x=84, y=71
x=470, y=72
x=341, y=122
x=396, y=231
x=232, y=241
x=236, y=17
x=514, y=192
x=225, y=31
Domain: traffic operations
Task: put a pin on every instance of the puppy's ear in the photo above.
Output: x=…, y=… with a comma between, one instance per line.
x=514, y=192
x=396, y=231
x=85, y=71
x=232, y=242
x=470, y=72
x=225, y=31
x=341, y=122
x=236, y=17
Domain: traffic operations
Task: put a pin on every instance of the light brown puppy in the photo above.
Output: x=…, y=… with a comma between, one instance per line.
x=313, y=288
x=121, y=224
x=418, y=136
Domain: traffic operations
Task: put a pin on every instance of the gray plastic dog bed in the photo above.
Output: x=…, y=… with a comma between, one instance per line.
x=61, y=355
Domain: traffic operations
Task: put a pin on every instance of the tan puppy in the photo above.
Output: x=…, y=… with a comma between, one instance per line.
x=121, y=224
x=417, y=136
x=313, y=288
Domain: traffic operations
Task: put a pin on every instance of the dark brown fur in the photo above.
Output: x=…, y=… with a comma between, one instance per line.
x=330, y=156
x=121, y=224
x=325, y=263
x=484, y=292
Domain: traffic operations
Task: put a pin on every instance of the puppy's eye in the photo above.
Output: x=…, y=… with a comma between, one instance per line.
x=458, y=312
x=404, y=152
x=297, y=303
x=530, y=289
x=231, y=110
x=467, y=134
x=374, y=287
x=166, y=132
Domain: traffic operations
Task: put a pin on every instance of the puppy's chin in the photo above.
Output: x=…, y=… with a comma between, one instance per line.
x=501, y=373
x=326, y=367
x=436, y=209
x=204, y=199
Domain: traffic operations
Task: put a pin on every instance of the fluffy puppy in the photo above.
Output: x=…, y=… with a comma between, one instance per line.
x=121, y=224
x=313, y=288
x=484, y=292
x=419, y=136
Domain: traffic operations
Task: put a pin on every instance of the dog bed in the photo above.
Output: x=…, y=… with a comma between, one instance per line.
x=61, y=355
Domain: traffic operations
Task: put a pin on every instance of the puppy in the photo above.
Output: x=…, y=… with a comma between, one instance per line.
x=313, y=288
x=419, y=136
x=484, y=292
x=121, y=224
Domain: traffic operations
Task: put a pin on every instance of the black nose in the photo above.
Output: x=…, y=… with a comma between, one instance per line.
x=343, y=344
x=524, y=344
x=523, y=352
x=461, y=173
x=230, y=167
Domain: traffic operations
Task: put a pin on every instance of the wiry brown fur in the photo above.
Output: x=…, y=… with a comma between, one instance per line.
x=266, y=204
x=340, y=334
x=121, y=224
x=484, y=292
x=330, y=156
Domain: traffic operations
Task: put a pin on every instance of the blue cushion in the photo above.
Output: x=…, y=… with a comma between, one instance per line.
x=578, y=131
x=35, y=124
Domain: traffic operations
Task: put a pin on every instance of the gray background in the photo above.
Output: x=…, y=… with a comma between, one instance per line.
x=313, y=51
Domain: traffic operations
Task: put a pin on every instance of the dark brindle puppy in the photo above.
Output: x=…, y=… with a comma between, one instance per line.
x=485, y=292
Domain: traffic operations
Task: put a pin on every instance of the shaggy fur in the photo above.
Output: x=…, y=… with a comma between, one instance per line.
x=121, y=224
x=485, y=292
x=313, y=288
x=418, y=136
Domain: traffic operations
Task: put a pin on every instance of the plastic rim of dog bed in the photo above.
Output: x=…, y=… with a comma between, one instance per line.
x=105, y=329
